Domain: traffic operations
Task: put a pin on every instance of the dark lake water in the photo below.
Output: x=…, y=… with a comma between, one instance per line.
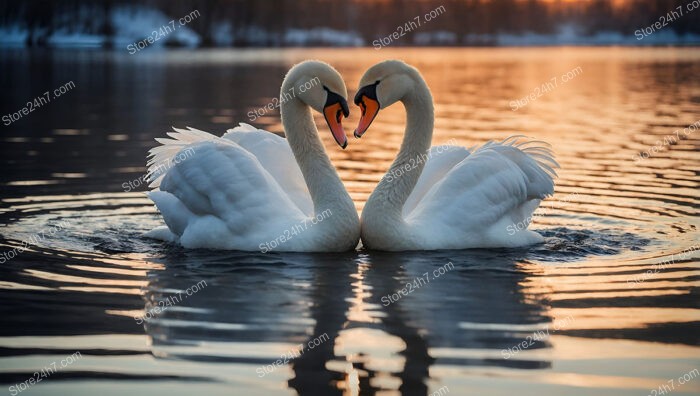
x=609, y=304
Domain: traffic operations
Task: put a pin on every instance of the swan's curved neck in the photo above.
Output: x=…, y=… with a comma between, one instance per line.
x=325, y=187
x=395, y=187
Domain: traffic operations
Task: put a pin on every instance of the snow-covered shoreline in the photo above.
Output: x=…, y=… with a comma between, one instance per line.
x=129, y=24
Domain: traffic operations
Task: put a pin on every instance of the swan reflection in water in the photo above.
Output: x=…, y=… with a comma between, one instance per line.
x=256, y=307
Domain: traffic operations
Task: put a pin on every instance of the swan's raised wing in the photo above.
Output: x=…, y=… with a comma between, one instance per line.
x=497, y=184
x=171, y=151
x=276, y=157
x=272, y=152
x=223, y=190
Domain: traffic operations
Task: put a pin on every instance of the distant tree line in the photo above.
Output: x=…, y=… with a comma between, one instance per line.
x=265, y=22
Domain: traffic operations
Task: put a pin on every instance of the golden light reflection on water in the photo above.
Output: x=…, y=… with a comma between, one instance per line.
x=361, y=310
x=623, y=317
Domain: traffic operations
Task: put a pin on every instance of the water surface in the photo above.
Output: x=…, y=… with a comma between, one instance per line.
x=607, y=305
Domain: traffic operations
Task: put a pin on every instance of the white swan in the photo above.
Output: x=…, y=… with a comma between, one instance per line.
x=253, y=190
x=458, y=199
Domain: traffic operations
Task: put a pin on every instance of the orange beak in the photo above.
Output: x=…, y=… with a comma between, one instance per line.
x=370, y=109
x=366, y=98
x=336, y=107
x=334, y=114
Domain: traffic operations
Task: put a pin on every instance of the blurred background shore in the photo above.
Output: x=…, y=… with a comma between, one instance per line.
x=351, y=23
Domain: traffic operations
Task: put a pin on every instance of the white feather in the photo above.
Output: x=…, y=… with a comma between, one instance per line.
x=473, y=202
x=233, y=192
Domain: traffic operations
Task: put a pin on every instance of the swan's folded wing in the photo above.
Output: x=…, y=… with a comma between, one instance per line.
x=493, y=184
x=276, y=157
x=224, y=188
x=440, y=160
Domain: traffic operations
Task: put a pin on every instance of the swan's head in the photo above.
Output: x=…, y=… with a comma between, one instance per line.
x=381, y=86
x=321, y=87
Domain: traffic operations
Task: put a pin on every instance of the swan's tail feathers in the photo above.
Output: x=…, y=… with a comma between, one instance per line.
x=176, y=215
x=534, y=158
x=162, y=233
x=173, y=151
